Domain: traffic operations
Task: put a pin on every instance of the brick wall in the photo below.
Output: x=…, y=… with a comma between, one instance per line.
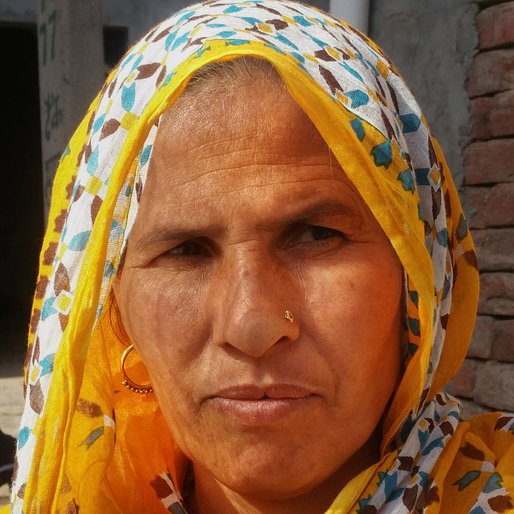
x=486, y=379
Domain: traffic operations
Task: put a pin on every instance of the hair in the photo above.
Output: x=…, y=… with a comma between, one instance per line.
x=221, y=76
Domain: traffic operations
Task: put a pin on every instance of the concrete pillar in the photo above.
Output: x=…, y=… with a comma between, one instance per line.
x=71, y=71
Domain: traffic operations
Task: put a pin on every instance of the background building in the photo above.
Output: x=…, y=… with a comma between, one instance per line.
x=457, y=56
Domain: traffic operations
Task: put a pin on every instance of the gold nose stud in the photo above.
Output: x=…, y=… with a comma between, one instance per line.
x=289, y=316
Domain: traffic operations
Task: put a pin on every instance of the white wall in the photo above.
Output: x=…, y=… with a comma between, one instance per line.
x=355, y=12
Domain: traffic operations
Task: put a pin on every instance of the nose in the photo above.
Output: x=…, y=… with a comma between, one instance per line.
x=252, y=296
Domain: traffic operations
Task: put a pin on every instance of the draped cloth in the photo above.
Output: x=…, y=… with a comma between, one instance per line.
x=87, y=443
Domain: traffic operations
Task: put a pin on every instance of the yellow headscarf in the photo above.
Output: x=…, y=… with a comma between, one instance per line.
x=86, y=442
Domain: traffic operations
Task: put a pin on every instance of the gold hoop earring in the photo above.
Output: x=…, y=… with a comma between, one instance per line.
x=128, y=382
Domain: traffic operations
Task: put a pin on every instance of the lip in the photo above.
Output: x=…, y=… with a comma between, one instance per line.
x=252, y=405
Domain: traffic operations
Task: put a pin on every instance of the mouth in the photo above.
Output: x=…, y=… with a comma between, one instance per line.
x=250, y=405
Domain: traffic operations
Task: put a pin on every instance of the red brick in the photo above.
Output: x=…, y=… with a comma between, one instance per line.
x=495, y=248
x=463, y=383
x=489, y=206
x=491, y=72
x=486, y=162
x=480, y=113
x=475, y=201
x=500, y=208
x=482, y=340
x=496, y=294
x=493, y=116
x=495, y=386
x=503, y=344
x=495, y=25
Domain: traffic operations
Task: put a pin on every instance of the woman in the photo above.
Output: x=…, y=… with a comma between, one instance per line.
x=254, y=228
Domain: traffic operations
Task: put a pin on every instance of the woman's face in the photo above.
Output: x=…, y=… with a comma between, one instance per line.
x=246, y=214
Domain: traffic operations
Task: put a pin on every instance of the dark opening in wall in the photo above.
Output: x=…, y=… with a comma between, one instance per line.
x=21, y=204
x=115, y=45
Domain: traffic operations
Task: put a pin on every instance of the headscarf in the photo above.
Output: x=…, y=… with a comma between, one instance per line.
x=86, y=442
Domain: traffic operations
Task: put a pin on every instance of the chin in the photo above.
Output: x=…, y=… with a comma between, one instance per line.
x=272, y=471
x=279, y=483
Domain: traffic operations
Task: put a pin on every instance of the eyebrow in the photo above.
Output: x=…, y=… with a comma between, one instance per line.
x=322, y=208
x=166, y=234
x=319, y=208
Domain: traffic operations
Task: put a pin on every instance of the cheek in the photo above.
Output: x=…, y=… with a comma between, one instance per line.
x=355, y=311
x=363, y=294
x=162, y=321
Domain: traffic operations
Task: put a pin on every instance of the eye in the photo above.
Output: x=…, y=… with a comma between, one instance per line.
x=311, y=237
x=188, y=249
x=313, y=233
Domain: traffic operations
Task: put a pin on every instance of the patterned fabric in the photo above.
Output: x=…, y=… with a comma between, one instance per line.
x=86, y=442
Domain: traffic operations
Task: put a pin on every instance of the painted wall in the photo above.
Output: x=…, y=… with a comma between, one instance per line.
x=433, y=43
x=140, y=16
x=19, y=11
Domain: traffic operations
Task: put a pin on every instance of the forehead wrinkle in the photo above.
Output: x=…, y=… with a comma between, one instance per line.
x=203, y=161
x=203, y=167
x=172, y=145
x=199, y=184
x=242, y=109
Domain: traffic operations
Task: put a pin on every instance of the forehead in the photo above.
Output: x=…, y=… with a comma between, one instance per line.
x=250, y=140
x=259, y=112
x=250, y=162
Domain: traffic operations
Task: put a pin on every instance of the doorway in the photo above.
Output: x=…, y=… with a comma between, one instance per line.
x=21, y=204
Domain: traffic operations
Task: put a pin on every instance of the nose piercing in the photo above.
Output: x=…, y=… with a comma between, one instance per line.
x=289, y=316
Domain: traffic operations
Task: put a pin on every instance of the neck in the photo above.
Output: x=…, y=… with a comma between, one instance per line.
x=213, y=497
